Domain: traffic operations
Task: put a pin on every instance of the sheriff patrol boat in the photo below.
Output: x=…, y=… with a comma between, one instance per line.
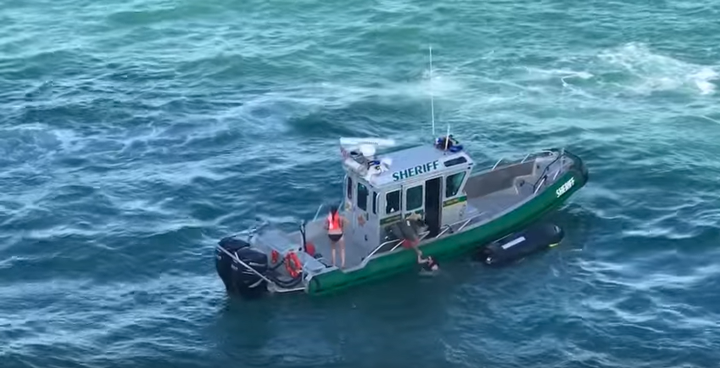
x=461, y=210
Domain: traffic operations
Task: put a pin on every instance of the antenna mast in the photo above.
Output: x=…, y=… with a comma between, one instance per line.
x=432, y=100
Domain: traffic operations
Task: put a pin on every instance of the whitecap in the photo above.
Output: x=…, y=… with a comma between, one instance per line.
x=657, y=72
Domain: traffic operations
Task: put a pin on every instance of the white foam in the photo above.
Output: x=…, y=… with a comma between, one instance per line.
x=657, y=72
x=333, y=94
x=560, y=73
x=25, y=144
x=703, y=80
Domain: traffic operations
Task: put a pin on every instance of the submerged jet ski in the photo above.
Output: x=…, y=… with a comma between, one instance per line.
x=514, y=247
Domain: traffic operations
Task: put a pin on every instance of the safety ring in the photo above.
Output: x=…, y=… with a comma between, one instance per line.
x=293, y=265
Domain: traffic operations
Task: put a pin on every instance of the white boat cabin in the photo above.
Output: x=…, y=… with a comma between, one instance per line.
x=380, y=190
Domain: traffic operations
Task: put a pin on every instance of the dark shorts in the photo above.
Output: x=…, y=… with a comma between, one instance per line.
x=335, y=237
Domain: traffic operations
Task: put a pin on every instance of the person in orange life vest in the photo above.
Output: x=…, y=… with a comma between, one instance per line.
x=335, y=225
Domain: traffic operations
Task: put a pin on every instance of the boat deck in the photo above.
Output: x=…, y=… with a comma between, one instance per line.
x=354, y=253
x=509, y=191
x=486, y=207
x=492, y=204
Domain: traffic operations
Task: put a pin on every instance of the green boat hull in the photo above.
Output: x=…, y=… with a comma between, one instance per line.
x=456, y=245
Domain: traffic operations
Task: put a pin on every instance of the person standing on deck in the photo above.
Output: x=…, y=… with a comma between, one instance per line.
x=335, y=225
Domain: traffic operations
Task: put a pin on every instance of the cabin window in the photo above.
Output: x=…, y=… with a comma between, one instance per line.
x=455, y=161
x=453, y=183
x=362, y=194
x=392, y=202
x=349, y=187
x=414, y=198
x=375, y=197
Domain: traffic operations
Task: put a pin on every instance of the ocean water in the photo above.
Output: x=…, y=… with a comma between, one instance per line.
x=134, y=134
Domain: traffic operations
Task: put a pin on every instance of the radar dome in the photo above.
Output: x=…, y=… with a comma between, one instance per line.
x=367, y=150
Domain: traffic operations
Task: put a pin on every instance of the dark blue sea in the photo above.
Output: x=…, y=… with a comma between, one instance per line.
x=134, y=134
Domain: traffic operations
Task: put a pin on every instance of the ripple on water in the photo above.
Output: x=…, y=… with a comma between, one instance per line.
x=127, y=151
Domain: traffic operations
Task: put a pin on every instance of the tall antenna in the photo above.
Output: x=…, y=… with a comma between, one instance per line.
x=447, y=137
x=432, y=100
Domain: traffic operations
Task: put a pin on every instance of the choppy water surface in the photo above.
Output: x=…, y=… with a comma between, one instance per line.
x=133, y=134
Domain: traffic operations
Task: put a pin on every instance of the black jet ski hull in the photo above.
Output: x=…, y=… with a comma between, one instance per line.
x=536, y=238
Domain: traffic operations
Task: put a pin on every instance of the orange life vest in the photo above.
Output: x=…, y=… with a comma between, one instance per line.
x=333, y=223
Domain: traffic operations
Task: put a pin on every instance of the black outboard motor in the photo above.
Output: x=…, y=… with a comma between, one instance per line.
x=519, y=245
x=224, y=261
x=245, y=282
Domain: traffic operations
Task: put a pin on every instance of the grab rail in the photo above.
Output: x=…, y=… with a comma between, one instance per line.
x=445, y=228
x=524, y=158
x=422, y=237
x=539, y=186
x=342, y=203
x=252, y=230
x=366, y=259
x=317, y=213
x=468, y=220
x=465, y=223
x=543, y=174
x=449, y=228
x=535, y=153
x=374, y=251
x=497, y=163
x=398, y=241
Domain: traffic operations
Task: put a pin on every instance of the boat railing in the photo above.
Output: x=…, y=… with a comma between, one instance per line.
x=557, y=172
x=375, y=251
x=320, y=207
x=537, y=154
x=395, y=242
x=539, y=186
x=543, y=175
x=445, y=229
x=317, y=213
x=497, y=163
x=256, y=229
x=421, y=238
x=524, y=158
x=252, y=230
x=274, y=285
x=465, y=222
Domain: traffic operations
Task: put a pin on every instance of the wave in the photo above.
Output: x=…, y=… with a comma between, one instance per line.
x=652, y=72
